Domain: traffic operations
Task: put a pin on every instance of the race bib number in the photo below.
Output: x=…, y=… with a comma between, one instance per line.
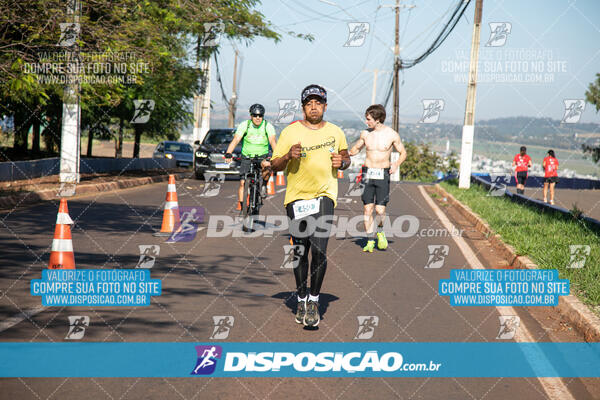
x=375, y=173
x=304, y=208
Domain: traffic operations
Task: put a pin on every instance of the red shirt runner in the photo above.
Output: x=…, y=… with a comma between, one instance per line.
x=551, y=167
x=522, y=162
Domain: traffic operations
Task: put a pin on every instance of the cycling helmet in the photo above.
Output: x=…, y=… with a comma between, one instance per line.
x=257, y=109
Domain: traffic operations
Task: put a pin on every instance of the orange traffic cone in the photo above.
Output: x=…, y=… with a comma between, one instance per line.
x=62, y=256
x=280, y=179
x=238, y=206
x=171, y=211
x=340, y=174
x=271, y=186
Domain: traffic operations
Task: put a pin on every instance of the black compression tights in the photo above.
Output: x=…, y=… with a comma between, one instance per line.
x=316, y=244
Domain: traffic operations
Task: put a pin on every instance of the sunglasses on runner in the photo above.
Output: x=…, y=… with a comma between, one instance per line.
x=257, y=115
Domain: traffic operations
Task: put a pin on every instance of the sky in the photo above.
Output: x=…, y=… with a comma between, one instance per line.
x=551, y=54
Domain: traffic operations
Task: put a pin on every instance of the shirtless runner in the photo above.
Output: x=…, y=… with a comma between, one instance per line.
x=379, y=141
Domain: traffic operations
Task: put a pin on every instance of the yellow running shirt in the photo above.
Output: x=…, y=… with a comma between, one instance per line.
x=311, y=175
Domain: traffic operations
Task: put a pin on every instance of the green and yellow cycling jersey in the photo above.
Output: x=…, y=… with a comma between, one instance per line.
x=255, y=140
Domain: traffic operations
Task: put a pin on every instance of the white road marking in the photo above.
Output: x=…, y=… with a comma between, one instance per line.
x=554, y=387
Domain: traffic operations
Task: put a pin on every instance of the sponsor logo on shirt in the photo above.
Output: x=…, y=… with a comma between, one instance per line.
x=329, y=144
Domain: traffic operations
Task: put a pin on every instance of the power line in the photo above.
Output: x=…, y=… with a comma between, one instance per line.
x=316, y=12
x=225, y=99
x=443, y=35
x=428, y=28
x=329, y=15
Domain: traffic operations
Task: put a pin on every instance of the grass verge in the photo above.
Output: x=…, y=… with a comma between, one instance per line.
x=544, y=236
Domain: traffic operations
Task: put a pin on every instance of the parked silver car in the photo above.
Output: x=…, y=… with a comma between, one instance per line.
x=181, y=152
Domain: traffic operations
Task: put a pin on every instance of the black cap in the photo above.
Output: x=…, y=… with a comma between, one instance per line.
x=314, y=91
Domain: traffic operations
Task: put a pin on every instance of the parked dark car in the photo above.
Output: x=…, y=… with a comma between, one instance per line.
x=210, y=154
x=181, y=152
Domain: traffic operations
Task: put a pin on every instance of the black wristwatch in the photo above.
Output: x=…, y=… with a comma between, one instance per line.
x=344, y=165
x=228, y=155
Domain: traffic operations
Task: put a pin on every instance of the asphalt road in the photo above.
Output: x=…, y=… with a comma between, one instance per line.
x=586, y=200
x=242, y=277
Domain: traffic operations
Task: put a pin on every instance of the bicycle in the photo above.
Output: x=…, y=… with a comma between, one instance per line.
x=252, y=198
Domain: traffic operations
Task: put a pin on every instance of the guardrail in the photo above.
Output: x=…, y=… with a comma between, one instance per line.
x=519, y=198
x=20, y=170
x=538, y=181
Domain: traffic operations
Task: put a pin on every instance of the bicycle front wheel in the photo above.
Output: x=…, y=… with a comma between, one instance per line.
x=247, y=206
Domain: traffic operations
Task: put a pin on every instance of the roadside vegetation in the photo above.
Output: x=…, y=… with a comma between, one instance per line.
x=545, y=237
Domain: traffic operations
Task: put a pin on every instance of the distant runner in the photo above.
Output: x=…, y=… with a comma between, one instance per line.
x=311, y=151
x=379, y=141
x=550, y=165
x=521, y=163
x=255, y=134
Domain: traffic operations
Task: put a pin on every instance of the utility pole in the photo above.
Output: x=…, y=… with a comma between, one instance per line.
x=375, y=73
x=466, y=153
x=202, y=99
x=233, y=100
x=397, y=65
x=395, y=121
x=71, y=113
x=197, y=98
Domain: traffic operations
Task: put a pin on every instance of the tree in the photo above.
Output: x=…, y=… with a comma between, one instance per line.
x=592, y=96
x=157, y=33
x=421, y=163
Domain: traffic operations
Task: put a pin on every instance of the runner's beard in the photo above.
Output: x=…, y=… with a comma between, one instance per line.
x=314, y=120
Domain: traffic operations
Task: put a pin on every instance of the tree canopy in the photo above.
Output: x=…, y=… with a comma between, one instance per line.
x=592, y=96
x=125, y=50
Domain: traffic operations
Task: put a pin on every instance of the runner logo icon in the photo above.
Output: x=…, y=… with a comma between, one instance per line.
x=212, y=185
x=207, y=359
x=366, y=326
x=499, y=32
x=69, y=32
x=508, y=327
x=186, y=228
x=498, y=184
x=143, y=109
x=212, y=34
x=148, y=254
x=357, y=34
x=223, y=325
x=431, y=110
x=357, y=187
x=77, y=325
x=287, y=110
x=292, y=255
x=437, y=255
x=579, y=253
x=573, y=110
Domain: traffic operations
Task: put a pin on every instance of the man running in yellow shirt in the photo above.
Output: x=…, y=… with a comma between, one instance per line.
x=311, y=151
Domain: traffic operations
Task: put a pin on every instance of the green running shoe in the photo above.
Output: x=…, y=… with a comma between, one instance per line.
x=312, y=317
x=381, y=241
x=301, y=312
x=370, y=246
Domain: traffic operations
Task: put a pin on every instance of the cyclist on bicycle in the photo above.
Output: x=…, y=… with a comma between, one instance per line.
x=256, y=135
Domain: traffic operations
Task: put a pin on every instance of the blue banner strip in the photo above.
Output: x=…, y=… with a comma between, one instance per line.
x=365, y=359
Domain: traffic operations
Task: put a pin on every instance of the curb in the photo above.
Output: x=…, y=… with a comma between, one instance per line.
x=570, y=307
x=27, y=198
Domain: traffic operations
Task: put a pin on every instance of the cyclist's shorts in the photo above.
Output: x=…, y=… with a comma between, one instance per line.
x=245, y=165
x=376, y=190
